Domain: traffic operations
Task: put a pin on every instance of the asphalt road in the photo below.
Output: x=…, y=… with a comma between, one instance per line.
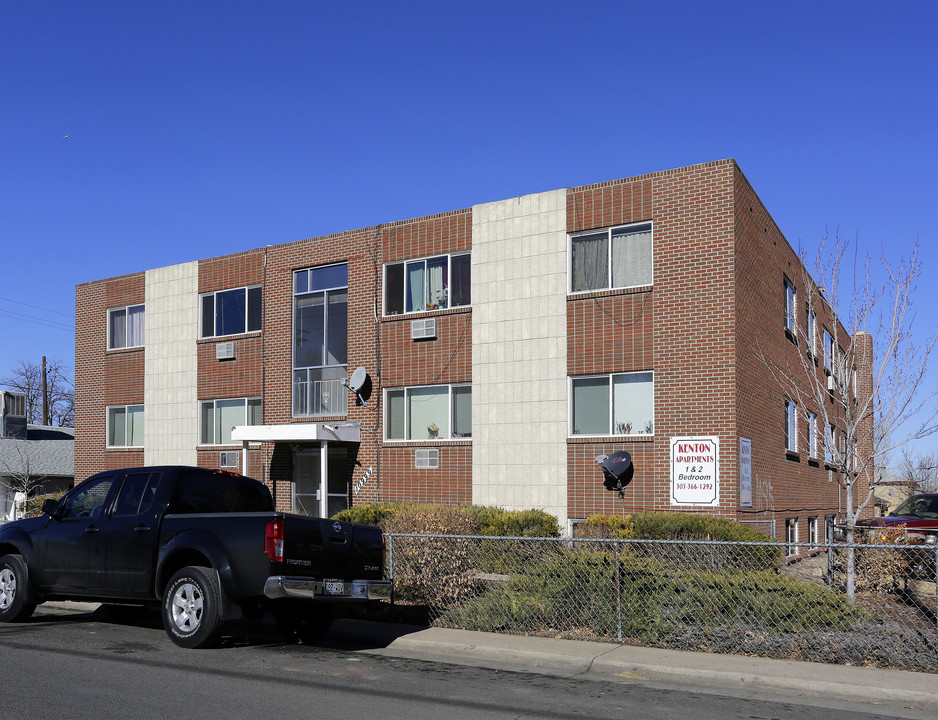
x=86, y=665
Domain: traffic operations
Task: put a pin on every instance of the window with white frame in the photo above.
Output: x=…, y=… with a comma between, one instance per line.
x=125, y=426
x=829, y=444
x=811, y=330
x=791, y=536
x=791, y=298
x=812, y=530
x=617, y=257
x=433, y=283
x=320, y=341
x=811, y=434
x=615, y=404
x=217, y=418
x=429, y=412
x=791, y=425
x=828, y=351
x=231, y=312
x=125, y=326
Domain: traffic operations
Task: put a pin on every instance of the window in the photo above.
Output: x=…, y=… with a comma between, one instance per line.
x=231, y=312
x=431, y=412
x=620, y=404
x=434, y=283
x=811, y=330
x=791, y=536
x=219, y=417
x=829, y=445
x=811, y=434
x=812, y=530
x=790, y=305
x=87, y=500
x=125, y=426
x=320, y=340
x=125, y=327
x=791, y=426
x=828, y=351
x=615, y=258
x=204, y=491
x=136, y=494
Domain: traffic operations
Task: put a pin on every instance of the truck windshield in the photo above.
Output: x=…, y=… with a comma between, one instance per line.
x=925, y=506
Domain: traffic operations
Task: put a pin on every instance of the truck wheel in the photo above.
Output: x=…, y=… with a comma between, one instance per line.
x=191, y=608
x=14, y=590
x=306, y=625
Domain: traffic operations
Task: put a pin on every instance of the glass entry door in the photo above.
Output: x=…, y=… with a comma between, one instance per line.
x=310, y=495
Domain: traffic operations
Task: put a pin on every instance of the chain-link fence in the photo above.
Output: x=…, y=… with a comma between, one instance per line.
x=742, y=598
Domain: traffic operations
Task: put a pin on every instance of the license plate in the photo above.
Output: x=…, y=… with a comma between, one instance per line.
x=334, y=587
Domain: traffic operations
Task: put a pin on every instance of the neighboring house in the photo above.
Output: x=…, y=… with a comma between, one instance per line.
x=506, y=346
x=891, y=492
x=42, y=462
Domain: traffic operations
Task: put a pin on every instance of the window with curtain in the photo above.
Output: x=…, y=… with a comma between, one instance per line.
x=434, y=283
x=791, y=425
x=125, y=426
x=790, y=305
x=218, y=417
x=616, y=257
x=433, y=412
x=614, y=404
x=125, y=327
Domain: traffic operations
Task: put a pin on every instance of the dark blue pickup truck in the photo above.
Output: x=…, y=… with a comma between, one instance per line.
x=207, y=545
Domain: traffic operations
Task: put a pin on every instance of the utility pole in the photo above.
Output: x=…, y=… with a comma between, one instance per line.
x=45, y=394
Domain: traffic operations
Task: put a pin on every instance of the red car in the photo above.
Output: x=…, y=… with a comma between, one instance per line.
x=918, y=515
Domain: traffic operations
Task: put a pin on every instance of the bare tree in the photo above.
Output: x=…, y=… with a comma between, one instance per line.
x=863, y=371
x=17, y=473
x=919, y=471
x=27, y=378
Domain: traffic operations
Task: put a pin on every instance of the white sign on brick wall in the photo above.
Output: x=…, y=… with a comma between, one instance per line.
x=695, y=471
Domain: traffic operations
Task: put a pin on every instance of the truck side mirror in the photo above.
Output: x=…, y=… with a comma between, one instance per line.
x=50, y=507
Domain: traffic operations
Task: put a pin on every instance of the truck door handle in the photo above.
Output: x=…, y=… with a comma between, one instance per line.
x=91, y=529
x=142, y=528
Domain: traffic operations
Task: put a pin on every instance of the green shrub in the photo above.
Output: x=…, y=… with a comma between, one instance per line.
x=491, y=521
x=575, y=590
x=687, y=526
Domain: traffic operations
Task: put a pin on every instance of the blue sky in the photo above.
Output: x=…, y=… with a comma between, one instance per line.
x=202, y=127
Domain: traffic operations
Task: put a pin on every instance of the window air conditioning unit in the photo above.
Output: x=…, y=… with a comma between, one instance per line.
x=225, y=351
x=228, y=459
x=426, y=458
x=423, y=329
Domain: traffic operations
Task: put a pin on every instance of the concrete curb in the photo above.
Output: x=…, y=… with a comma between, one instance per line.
x=672, y=668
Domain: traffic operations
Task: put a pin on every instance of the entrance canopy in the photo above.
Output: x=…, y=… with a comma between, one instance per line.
x=322, y=433
x=298, y=432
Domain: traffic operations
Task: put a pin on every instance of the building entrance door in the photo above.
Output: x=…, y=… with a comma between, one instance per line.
x=312, y=496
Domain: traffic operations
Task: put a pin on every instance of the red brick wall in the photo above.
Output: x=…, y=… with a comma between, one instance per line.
x=103, y=378
x=682, y=328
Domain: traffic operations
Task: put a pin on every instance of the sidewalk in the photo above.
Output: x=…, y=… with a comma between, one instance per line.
x=893, y=692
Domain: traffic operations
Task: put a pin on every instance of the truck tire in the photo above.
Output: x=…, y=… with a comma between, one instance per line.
x=303, y=624
x=14, y=590
x=191, y=608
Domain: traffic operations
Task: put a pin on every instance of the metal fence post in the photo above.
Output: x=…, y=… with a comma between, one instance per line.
x=618, y=546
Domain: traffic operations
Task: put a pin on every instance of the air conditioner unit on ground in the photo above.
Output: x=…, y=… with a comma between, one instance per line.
x=225, y=351
x=423, y=329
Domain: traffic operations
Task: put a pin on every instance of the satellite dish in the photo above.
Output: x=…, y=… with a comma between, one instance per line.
x=357, y=380
x=360, y=384
x=617, y=470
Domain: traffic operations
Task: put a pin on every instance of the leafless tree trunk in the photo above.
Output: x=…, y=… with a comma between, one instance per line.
x=17, y=473
x=862, y=370
x=28, y=378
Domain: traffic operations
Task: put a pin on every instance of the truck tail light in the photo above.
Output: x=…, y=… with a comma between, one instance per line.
x=273, y=540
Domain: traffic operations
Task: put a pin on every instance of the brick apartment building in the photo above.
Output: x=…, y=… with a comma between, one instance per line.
x=506, y=346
